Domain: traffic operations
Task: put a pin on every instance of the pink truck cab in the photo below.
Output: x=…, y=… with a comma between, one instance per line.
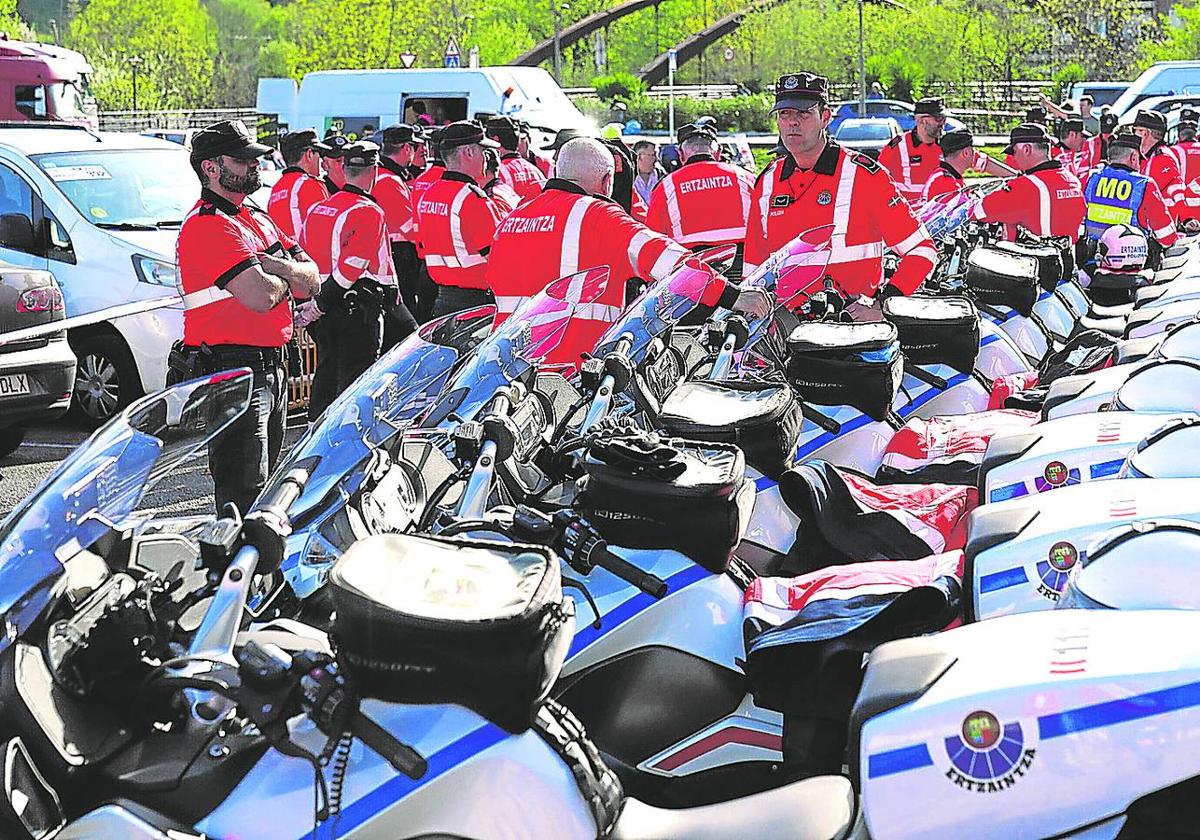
x=45, y=83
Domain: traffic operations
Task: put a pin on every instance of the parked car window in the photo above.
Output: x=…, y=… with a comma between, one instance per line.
x=125, y=187
x=31, y=101
x=16, y=212
x=864, y=130
x=59, y=246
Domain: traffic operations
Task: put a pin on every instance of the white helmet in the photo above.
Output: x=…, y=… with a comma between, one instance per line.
x=1122, y=248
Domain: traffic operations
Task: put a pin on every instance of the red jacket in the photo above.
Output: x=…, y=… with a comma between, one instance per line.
x=293, y=195
x=346, y=236
x=506, y=197
x=910, y=163
x=416, y=188
x=564, y=231
x=1187, y=156
x=1046, y=200
x=704, y=202
x=1163, y=169
x=524, y=177
x=1095, y=150
x=457, y=221
x=945, y=180
x=855, y=195
x=392, y=192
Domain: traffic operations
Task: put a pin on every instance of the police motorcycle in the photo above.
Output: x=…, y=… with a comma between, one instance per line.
x=138, y=707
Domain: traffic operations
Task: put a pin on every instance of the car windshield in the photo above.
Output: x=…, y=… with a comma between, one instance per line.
x=873, y=130
x=102, y=482
x=71, y=100
x=125, y=187
x=382, y=401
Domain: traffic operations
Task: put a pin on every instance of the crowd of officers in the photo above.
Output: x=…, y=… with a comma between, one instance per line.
x=361, y=242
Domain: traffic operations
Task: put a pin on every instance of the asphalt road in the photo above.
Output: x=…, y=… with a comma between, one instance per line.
x=188, y=490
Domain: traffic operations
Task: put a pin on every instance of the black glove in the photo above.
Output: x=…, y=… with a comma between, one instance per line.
x=886, y=292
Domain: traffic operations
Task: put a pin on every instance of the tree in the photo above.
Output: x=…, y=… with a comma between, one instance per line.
x=174, y=38
x=248, y=46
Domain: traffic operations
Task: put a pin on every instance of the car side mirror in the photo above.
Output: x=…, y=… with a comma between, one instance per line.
x=16, y=232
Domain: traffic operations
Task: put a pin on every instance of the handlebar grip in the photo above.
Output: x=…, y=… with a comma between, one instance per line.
x=652, y=585
x=398, y=754
x=286, y=492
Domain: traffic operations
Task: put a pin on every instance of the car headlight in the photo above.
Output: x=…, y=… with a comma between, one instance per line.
x=155, y=272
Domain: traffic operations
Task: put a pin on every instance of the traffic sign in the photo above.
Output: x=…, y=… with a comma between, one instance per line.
x=452, y=57
x=407, y=59
x=672, y=60
x=728, y=54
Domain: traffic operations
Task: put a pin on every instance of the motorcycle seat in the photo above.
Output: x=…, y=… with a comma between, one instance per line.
x=1135, y=349
x=820, y=808
x=1109, y=326
x=1121, y=310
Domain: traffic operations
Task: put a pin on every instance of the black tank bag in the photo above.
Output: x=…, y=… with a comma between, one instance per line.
x=858, y=365
x=762, y=418
x=643, y=491
x=936, y=330
x=998, y=277
x=424, y=619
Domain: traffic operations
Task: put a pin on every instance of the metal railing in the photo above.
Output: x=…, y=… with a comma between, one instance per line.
x=180, y=119
x=300, y=382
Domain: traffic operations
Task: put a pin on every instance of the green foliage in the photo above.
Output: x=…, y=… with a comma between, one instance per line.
x=1178, y=42
x=900, y=75
x=623, y=86
x=1066, y=76
x=736, y=113
x=174, y=38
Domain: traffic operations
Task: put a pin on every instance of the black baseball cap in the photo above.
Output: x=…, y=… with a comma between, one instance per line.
x=1125, y=140
x=1150, y=119
x=930, y=106
x=398, y=135
x=1108, y=122
x=464, y=133
x=1027, y=132
x=227, y=137
x=1071, y=124
x=305, y=138
x=1189, y=115
x=687, y=132
x=802, y=91
x=956, y=141
x=360, y=153
x=335, y=145
x=504, y=130
x=563, y=137
x=1036, y=114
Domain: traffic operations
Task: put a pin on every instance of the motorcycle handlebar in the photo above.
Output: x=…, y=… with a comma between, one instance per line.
x=652, y=585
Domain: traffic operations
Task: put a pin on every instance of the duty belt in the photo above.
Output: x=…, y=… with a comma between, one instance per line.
x=227, y=356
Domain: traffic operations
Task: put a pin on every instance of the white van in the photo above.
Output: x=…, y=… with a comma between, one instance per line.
x=1163, y=78
x=101, y=211
x=357, y=103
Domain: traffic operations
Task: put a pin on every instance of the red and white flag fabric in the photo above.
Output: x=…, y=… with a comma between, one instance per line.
x=947, y=449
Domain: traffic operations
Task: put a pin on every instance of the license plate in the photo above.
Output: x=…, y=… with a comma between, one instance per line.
x=14, y=384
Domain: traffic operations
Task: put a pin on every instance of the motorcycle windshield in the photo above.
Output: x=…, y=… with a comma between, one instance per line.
x=945, y=214
x=388, y=397
x=536, y=331
x=102, y=482
x=662, y=306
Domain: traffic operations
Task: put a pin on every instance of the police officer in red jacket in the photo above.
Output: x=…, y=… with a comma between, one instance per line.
x=237, y=273
x=1157, y=160
x=331, y=160
x=1045, y=199
x=299, y=186
x=1187, y=154
x=913, y=157
x=817, y=184
x=517, y=173
x=958, y=155
x=457, y=220
x=392, y=192
x=346, y=234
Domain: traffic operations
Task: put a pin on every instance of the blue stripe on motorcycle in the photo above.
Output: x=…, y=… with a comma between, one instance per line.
x=1008, y=491
x=1119, y=711
x=930, y=394
x=991, y=338
x=613, y=619
x=399, y=786
x=898, y=761
x=1055, y=725
x=1106, y=469
x=813, y=445
x=1003, y=580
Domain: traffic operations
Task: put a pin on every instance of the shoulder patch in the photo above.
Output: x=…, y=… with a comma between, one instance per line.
x=866, y=162
x=770, y=166
x=894, y=142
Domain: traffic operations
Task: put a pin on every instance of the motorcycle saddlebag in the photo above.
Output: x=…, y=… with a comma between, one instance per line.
x=644, y=491
x=1002, y=278
x=1049, y=261
x=859, y=365
x=423, y=619
x=762, y=418
x=936, y=330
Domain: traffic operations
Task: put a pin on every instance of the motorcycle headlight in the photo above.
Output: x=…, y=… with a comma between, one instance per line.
x=155, y=272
